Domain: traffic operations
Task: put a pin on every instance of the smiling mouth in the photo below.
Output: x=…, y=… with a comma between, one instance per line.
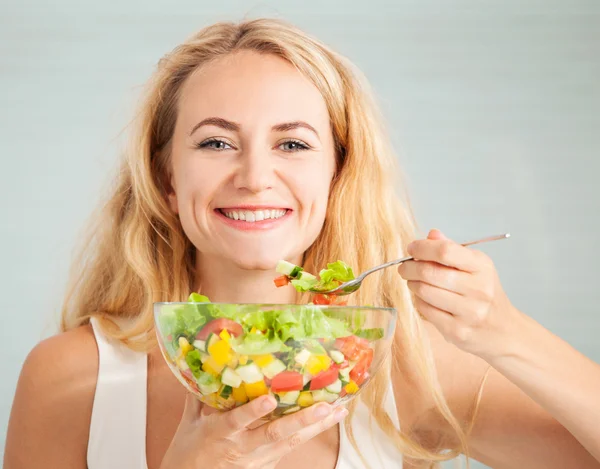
x=252, y=216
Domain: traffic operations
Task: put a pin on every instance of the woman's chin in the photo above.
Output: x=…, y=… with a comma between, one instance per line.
x=249, y=261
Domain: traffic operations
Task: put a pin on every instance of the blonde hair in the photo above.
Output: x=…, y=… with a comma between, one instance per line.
x=137, y=253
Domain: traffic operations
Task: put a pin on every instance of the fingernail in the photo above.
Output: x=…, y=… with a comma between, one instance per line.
x=322, y=410
x=268, y=403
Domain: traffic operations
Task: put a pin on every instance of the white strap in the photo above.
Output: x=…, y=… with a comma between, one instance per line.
x=118, y=426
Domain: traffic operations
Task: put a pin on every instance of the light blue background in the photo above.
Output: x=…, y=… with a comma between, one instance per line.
x=494, y=108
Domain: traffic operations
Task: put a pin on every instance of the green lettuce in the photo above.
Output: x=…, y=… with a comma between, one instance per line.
x=194, y=362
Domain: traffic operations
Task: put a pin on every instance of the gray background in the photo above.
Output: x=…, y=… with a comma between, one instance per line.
x=494, y=108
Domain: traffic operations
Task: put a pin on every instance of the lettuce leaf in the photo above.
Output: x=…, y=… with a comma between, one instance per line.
x=193, y=360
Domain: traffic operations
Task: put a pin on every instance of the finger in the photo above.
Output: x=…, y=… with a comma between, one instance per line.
x=445, y=252
x=437, y=275
x=442, y=320
x=281, y=448
x=286, y=426
x=235, y=420
x=445, y=300
x=436, y=234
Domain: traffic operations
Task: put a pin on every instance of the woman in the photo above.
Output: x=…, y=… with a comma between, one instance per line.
x=258, y=118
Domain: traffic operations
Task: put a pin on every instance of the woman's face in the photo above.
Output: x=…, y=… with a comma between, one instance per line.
x=252, y=160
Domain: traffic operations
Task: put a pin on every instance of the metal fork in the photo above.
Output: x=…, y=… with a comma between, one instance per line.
x=353, y=285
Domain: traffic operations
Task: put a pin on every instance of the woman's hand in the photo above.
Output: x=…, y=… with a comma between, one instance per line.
x=222, y=440
x=457, y=289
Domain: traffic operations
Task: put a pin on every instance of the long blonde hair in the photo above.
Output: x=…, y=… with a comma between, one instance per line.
x=137, y=253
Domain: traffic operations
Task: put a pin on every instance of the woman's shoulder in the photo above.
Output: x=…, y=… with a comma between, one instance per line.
x=52, y=408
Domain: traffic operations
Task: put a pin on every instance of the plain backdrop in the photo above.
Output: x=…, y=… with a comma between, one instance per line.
x=494, y=108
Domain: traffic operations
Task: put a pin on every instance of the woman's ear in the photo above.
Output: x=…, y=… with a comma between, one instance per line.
x=172, y=195
x=169, y=191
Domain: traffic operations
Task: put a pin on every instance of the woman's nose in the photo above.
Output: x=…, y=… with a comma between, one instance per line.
x=255, y=172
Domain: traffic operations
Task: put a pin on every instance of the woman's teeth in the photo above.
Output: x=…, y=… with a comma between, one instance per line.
x=254, y=215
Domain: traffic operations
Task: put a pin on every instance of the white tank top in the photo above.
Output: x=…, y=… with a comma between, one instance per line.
x=118, y=426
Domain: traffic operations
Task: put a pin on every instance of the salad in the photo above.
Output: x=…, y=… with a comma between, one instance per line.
x=301, y=354
x=330, y=278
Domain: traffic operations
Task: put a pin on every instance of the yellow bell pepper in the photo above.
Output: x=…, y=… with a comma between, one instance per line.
x=239, y=395
x=225, y=335
x=254, y=390
x=351, y=387
x=185, y=346
x=305, y=399
x=220, y=351
x=262, y=360
x=233, y=362
x=211, y=366
x=243, y=359
x=317, y=363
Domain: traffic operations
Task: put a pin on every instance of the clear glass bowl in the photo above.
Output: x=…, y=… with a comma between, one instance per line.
x=228, y=354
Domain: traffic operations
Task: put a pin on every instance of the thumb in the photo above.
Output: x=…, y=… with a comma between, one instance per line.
x=192, y=408
x=436, y=234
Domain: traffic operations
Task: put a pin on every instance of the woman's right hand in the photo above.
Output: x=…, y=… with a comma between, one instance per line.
x=224, y=439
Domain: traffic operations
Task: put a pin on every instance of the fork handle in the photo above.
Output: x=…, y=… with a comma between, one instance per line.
x=410, y=258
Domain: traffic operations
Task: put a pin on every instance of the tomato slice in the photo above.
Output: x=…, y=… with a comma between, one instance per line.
x=360, y=372
x=287, y=381
x=320, y=299
x=351, y=346
x=217, y=325
x=324, y=378
x=282, y=281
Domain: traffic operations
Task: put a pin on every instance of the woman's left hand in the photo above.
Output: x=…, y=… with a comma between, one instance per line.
x=457, y=289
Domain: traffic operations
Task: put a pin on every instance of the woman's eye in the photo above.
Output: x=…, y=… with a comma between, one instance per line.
x=218, y=145
x=293, y=145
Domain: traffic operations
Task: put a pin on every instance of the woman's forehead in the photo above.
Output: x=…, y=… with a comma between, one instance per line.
x=252, y=89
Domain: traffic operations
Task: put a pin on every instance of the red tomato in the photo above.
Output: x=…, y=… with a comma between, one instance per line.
x=287, y=381
x=282, y=281
x=351, y=346
x=324, y=378
x=320, y=299
x=217, y=325
x=343, y=393
x=360, y=372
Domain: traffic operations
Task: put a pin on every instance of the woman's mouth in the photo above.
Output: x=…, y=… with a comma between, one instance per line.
x=253, y=218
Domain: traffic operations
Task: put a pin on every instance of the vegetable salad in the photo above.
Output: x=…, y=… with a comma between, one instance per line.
x=230, y=354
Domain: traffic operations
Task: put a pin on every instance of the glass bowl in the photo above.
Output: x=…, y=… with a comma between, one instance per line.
x=228, y=354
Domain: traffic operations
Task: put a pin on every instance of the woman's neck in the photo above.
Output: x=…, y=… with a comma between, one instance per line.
x=224, y=282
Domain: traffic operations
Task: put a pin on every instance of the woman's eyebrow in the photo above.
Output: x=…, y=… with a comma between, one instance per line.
x=235, y=127
x=294, y=125
x=217, y=122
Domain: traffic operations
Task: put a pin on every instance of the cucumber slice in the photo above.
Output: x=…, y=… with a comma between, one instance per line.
x=209, y=388
x=302, y=357
x=226, y=391
x=345, y=374
x=200, y=345
x=306, y=276
x=337, y=356
x=249, y=373
x=291, y=410
x=289, y=398
x=273, y=368
x=296, y=271
x=212, y=338
x=285, y=268
x=231, y=378
x=335, y=387
x=322, y=395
